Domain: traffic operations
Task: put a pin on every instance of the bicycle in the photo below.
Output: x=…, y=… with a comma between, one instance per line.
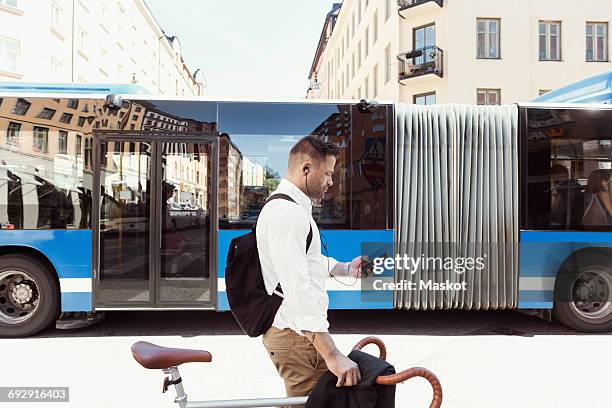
x=152, y=356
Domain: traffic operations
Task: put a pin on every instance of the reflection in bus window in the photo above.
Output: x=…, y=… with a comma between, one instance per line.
x=569, y=159
x=255, y=139
x=369, y=165
x=44, y=183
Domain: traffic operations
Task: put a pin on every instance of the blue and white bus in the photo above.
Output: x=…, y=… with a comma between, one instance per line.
x=112, y=199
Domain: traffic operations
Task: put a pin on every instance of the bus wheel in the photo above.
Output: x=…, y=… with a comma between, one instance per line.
x=29, y=296
x=583, y=299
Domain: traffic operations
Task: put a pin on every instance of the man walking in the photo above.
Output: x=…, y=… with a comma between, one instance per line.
x=298, y=342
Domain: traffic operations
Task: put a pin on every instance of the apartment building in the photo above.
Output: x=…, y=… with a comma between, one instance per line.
x=463, y=51
x=92, y=41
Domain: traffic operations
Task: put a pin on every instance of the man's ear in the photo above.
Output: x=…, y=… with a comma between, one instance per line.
x=306, y=167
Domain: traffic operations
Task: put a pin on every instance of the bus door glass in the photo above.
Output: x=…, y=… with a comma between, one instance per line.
x=156, y=182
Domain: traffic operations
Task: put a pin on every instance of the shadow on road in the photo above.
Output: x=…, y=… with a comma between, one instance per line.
x=370, y=322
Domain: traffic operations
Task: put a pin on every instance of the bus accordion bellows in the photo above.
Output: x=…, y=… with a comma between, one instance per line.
x=131, y=205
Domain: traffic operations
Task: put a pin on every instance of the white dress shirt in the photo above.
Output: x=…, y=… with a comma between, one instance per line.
x=282, y=228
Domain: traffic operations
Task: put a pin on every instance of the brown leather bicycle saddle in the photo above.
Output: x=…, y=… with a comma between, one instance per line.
x=152, y=356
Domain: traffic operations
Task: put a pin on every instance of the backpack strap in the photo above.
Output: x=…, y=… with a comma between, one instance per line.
x=281, y=196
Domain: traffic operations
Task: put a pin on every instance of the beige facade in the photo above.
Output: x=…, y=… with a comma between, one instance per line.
x=89, y=41
x=474, y=51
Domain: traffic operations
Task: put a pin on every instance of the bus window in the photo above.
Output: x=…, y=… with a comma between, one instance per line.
x=44, y=181
x=255, y=139
x=371, y=165
x=569, y=165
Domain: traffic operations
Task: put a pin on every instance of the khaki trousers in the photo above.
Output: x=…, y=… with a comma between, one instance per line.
x=296, y=360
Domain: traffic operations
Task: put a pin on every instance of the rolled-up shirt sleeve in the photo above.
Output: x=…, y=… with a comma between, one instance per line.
x=329, y=263
x=287, y=242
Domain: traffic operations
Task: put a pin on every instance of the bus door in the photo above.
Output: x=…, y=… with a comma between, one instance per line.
x=156, y=221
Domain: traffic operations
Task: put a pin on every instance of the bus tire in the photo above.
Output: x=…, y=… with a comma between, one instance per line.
x=583, y=297
x=29, y=296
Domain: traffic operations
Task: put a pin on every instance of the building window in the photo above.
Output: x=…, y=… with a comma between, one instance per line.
x=82, y=120
x=366, y=46
x=359, y=12
x=78, y=146
x=56, y=16
x=424, y=99
x=104, y=16
x=597, y=42
x=550, y=40
x=10, y=3
x=353, y=65
x=359, y=54
x=347, y=77
x=88, y=155
x=73, y=103
x=21, y=107
x=40, y=138
x=66, y=118
x=366, y=87
x=389, y=5
x=353, y=25
x=12, y=133
x=9, y=54
x=375, y=81
x=488, y=96
x=62, y=142
x=375, y=27
x=47, y=113
x=387, y=63
x=55, y=64
x=488, y=38
x=82, y=39
x=543, y=91
x=424, y=37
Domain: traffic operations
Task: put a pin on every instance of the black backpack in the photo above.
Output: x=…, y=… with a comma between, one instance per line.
x=248, y=299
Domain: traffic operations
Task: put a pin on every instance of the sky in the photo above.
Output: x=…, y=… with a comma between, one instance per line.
x=247, y=48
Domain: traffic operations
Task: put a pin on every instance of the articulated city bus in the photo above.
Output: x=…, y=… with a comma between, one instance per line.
x=117, y=200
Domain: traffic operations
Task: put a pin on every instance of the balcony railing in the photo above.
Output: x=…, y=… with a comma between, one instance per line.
x=421, y=61
x=406, y=4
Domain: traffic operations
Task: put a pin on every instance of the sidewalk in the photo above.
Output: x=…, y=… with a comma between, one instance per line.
x=475, y=371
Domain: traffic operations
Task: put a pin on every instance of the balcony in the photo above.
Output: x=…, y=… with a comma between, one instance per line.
x=419, y=62
x=409, y=7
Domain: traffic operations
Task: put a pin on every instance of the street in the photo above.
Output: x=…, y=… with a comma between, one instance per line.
x=482, y=359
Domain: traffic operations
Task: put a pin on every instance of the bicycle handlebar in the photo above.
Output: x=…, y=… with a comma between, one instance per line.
x=402, y=376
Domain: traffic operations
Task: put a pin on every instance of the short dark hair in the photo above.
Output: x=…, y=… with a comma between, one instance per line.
x=314, y=147
x=596, y=178
x=559, y=169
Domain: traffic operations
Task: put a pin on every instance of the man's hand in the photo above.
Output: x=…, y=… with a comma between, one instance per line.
x=341, y=366
x=345, y=369
x=354, y=269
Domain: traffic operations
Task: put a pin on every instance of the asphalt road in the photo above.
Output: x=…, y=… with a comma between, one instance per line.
x=370, y=322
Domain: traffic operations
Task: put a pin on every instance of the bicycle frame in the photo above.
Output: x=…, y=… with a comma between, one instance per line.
x=181, y=398
x=152, y=356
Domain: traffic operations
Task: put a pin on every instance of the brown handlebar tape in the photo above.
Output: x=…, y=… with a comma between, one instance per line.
x=402, y=376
